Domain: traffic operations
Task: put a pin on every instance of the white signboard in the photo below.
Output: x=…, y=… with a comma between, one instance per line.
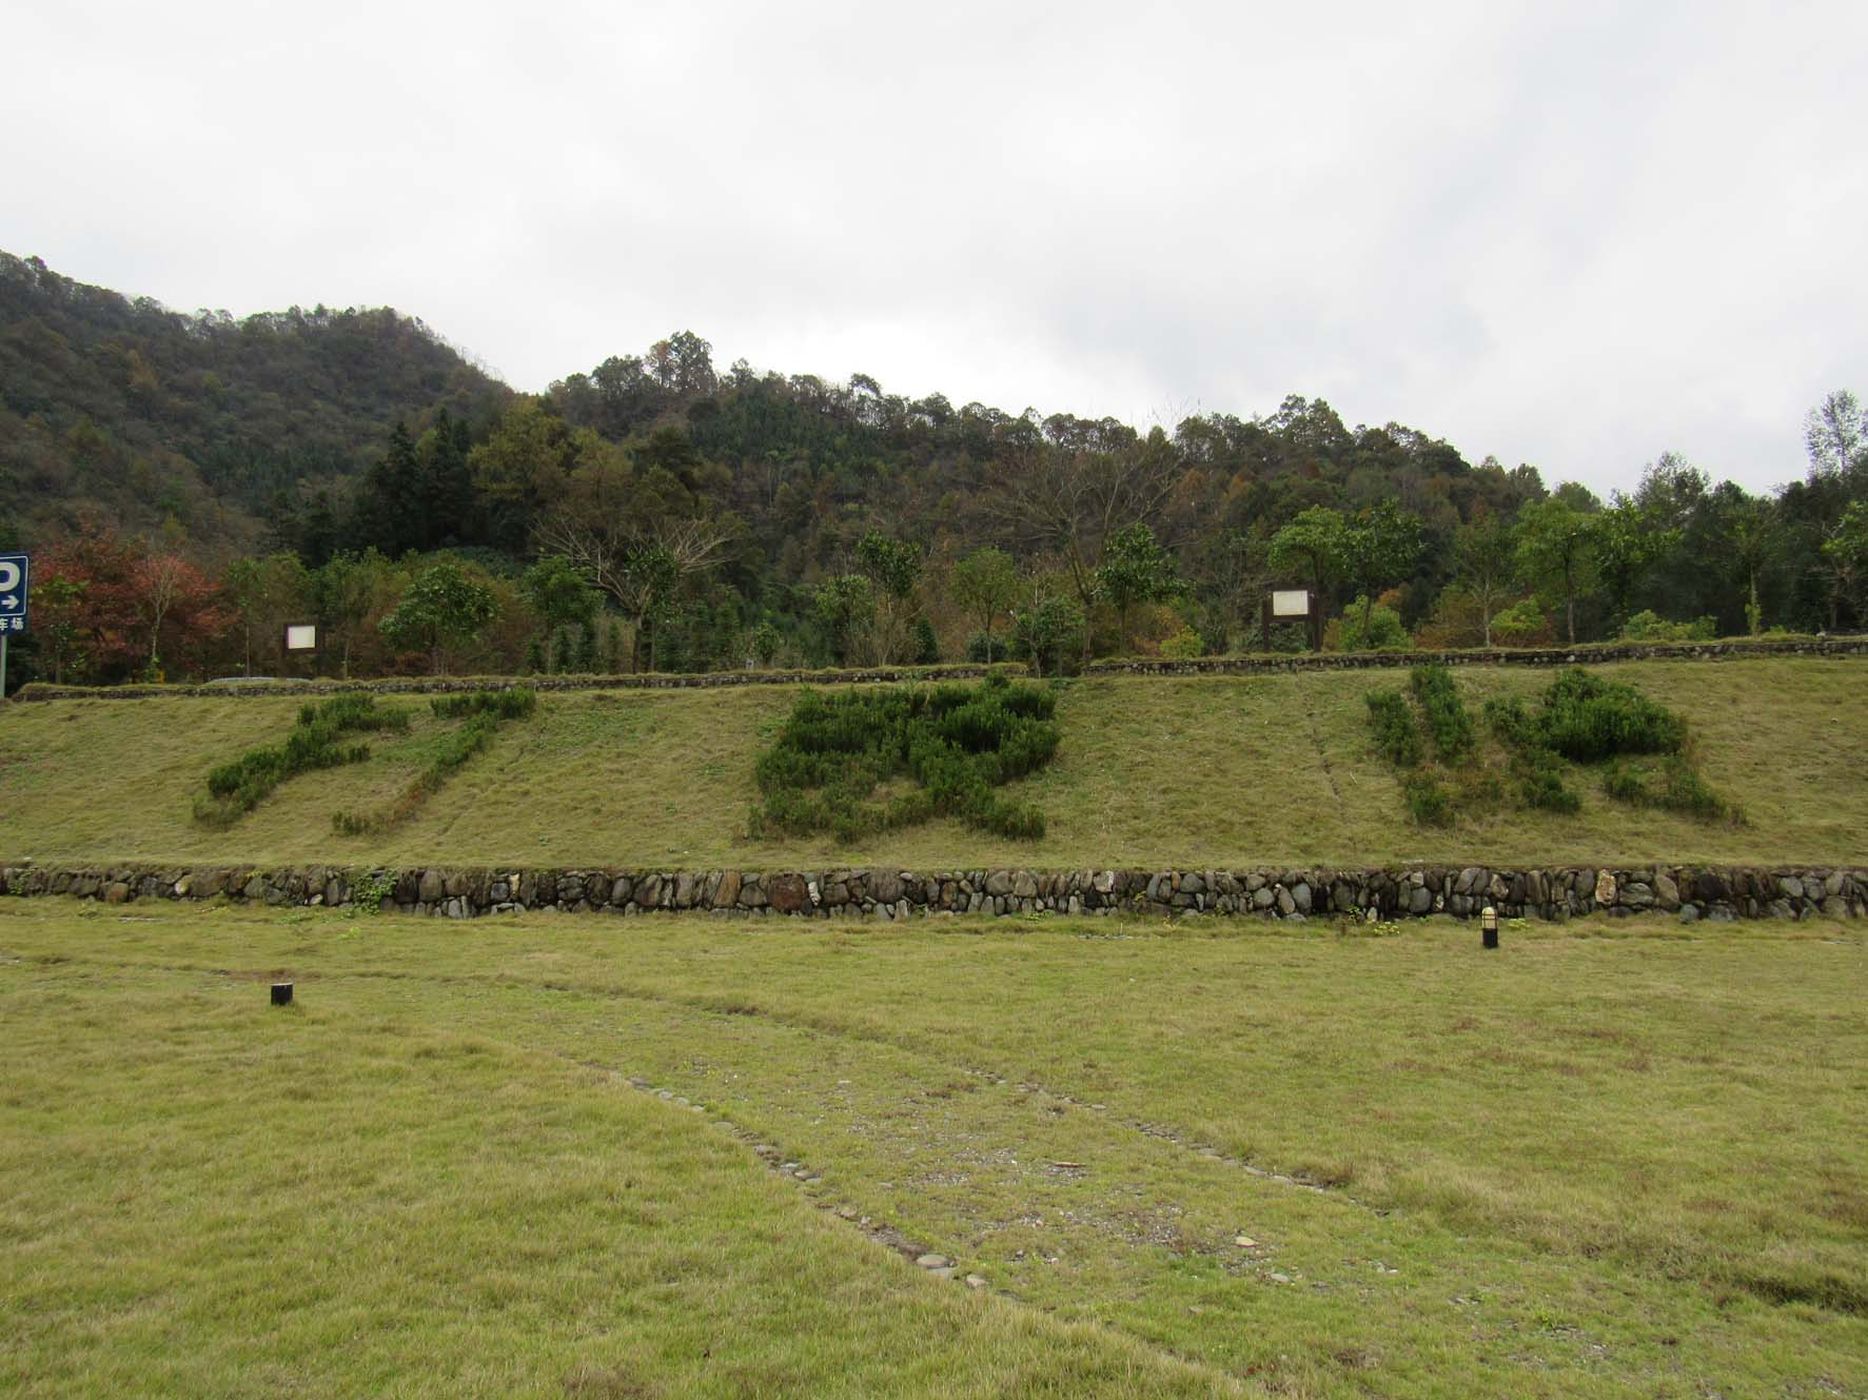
x=1290, y=602
x=301, y=636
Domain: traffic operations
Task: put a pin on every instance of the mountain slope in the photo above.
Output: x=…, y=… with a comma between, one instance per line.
x=134, y=411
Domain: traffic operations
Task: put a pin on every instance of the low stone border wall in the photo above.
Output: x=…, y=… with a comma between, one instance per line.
x=1496, y=656
x=446, y=685
x=883, y=893
x=901, y=675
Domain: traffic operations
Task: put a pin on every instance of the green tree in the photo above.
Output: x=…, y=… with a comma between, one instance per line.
x=1845, y=553
x=57, y=624
x=894, y=567
x=267, y=592
x=1379, y=548
x=1556, y=554
x=1750, y=530
x=446, y=483
x=348, y=588
x=442, y=607
x=927, y=645
x=523, y=468
x=557, y=590
x=844, y=607
x=1313, y=547
x=1048, y=629
x=1135, y=569
x=1628, y=541
x=645, y=585
x=765, y=642
x=1482, y=555
x=387, y=510
x=561, y=597
x=1371, y=628
x=984, y=586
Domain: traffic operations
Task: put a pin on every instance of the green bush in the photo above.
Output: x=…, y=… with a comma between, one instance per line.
x=517, y=703
x=1385, y=632
x=1680, y=789
x=927, y=645
x=1428, y=802
x=1649, y=626
x=1447, y=720
x=1626, y=783
x=1048, y=634
x=1523, y=624
x=958, y=742
x=1539, y=774
x=1510, y=721
x=1184, y=645
x=1396, y=736
x=1587, y=718
x=236, y=787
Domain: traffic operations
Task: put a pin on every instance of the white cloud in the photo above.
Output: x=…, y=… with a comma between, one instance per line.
x=1571, y=235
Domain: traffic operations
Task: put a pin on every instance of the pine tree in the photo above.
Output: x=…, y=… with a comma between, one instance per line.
x=446, y=484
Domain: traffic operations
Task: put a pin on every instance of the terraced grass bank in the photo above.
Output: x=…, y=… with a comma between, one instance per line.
x=520, y=1157
x=1151, y=773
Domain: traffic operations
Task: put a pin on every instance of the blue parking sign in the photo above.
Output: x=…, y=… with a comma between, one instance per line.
x=15, y=575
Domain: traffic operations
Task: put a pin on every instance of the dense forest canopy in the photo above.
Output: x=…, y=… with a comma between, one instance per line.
x=658, y=511
x=123, y=407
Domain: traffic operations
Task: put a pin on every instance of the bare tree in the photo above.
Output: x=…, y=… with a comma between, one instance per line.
x=159, y=578
x=1836, y=433
x=1070, y=502
x=638, y=563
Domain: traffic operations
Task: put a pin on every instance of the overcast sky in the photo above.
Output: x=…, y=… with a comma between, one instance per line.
x=1573, y=234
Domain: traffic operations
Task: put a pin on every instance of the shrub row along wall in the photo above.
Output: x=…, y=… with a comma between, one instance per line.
x=1690, y=893
x=1204, y=666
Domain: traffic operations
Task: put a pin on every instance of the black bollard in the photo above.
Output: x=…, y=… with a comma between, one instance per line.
x=1488, y=922
x=281, y=993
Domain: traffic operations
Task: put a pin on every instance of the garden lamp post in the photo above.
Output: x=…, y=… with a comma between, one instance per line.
x=1488, y=922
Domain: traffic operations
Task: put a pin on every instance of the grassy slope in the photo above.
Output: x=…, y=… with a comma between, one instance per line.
x=1612, y=1159
x=1200, y=772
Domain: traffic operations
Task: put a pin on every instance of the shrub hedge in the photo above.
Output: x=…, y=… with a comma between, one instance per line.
x=1395, y=733
x=1587, y=718
x=958, y=742
x=1427, y=802
x=1447, y=720
x=236, y=787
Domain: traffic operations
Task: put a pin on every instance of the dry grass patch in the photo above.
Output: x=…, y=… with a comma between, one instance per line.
x=1602, y=1160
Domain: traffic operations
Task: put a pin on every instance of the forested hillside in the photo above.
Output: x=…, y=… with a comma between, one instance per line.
x=189, y=482
x=126, y=408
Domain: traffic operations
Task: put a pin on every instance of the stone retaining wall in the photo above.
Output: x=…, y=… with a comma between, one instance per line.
x=887, y=893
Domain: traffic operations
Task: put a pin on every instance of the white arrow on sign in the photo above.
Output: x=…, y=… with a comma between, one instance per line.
x=9, y=601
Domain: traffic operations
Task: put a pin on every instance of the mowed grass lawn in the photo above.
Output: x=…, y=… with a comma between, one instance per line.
x=1614, y=1158
x=1209, y=772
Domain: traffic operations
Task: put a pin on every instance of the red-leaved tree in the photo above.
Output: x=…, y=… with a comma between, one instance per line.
x=128, y=609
